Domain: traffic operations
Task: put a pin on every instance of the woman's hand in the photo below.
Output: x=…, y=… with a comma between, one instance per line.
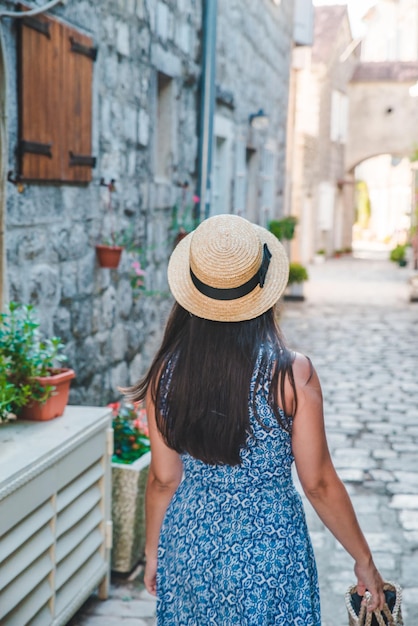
x=368, y=578
x=150, y=576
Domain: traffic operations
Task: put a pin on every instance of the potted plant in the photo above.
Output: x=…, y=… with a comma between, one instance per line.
x=109, y=251
x=398, y=255
x=130, y=463
x=34, y=386
x=9, y=394
x=108, y=254
x=297, y=276
x=319, y=256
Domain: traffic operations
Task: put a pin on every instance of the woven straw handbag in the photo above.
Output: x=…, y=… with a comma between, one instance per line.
x=391, y=615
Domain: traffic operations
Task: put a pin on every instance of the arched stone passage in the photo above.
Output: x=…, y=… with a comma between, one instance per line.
x=387, y=181
x=3, y=168
x=383, y=116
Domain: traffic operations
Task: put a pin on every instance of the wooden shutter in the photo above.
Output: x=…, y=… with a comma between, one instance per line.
x=55, y=101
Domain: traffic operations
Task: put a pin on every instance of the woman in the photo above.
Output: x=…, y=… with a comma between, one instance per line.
x=231, y=407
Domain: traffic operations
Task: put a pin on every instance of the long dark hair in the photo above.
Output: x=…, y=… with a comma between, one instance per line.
x=200, y=382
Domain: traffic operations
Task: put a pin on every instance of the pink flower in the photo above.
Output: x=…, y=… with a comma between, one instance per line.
x=196, y=199
x=137, y=268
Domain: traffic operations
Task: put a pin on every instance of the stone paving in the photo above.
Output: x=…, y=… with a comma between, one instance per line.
x=361, y=332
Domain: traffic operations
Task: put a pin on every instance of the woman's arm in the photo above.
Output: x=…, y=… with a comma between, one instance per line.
x=320, y=482
x=164, y=477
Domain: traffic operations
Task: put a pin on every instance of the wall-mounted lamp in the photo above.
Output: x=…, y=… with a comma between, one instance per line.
x=258, y=120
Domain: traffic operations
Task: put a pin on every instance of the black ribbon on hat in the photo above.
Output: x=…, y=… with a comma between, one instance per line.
x=235, y=292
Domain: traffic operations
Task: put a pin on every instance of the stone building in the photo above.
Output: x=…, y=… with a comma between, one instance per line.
x=95, y=92
x=383, y=129
x=319, y=193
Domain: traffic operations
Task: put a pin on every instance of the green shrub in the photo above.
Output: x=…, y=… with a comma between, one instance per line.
x=297, y=273
x=397, y=255
x=284, y=228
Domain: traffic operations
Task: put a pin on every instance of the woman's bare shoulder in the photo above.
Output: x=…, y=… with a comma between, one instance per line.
x=303, y=370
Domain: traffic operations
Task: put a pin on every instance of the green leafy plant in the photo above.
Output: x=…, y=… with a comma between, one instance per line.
x=398, y=254
x=321, y=251
x=23, y=357
x=284, y=228
x=130, y=432
x=297, y=273
x=10, y=395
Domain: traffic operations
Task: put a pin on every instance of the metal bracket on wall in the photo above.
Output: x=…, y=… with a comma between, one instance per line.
x=79, y=48
x=110, y=185
x=82, y=159
x=15, y=181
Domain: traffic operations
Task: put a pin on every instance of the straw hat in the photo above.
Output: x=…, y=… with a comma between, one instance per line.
x=228, y=270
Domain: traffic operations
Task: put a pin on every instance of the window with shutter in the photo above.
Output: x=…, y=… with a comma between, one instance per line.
x=55, y=101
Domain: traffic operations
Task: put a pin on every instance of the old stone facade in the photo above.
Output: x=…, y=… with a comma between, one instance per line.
x=145, y=120
x=248, y=49
x=320, y=194
x=383, y=134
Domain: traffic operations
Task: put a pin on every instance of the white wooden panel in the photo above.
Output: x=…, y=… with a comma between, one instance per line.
x=85, y=503
x=43, y=617
x=27, y=499
x=77, y=532
x=78, y=486
x=31, y=606
x=80, y=459
x=84, y=578
x=20, y=560
x=21, y=587
x=27, y=527
x=75, y=560
x=54, y=505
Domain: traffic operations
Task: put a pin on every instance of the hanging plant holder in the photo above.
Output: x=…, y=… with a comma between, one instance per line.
x=108, y=256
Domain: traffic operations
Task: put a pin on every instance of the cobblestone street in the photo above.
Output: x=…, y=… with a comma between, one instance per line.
x=362, y=335
x=361, y=332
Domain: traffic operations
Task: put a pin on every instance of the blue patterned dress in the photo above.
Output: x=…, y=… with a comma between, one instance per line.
x=234, y=546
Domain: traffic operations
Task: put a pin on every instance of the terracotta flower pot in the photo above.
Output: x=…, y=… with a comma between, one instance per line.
x=108, y=256
x=56, y=403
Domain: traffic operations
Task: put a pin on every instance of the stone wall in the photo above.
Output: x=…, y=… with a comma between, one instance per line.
x=318, y=174
x=254, y=47
x=383, y=118
x=51, y=230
